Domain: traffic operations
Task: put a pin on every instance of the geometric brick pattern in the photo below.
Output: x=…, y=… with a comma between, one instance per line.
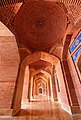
x=6, y=2
x=12, y=6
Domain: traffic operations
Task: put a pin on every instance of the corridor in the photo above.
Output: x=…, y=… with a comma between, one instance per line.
x=45, y=109
x=40, y=60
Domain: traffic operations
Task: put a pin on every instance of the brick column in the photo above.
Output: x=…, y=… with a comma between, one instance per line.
x=54, y=85
x=9, y=63
x=68, y=81
x=29, y=87
x=72, y=98
x=25, y=86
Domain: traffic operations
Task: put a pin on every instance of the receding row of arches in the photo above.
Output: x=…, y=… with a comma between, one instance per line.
x=26, y=82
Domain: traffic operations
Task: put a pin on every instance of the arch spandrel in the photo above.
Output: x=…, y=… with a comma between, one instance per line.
x=4, y=31
x=40, y=56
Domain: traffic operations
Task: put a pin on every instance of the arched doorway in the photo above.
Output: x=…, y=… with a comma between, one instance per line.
x=40, y=90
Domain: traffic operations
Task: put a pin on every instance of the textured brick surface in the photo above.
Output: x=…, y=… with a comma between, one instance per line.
x=62, y=95
x=75, y=79
x=26, y=85
x=9, y=62
x=69, y=85
x=19, y=88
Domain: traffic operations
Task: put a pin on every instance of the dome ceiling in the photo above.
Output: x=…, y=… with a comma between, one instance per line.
x=40, y=24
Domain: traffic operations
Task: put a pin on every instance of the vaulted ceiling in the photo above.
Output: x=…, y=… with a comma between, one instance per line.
x=72, y=9
x=60, y=18
x=42, y=25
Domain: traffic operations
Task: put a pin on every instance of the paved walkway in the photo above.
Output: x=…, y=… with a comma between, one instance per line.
x=42, y=110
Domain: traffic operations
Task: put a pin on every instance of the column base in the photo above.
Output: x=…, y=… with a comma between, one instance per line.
x=16, y=109
x=10, y=112
x=71, y=109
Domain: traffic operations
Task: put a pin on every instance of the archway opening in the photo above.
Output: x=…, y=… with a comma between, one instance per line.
x=40, y=90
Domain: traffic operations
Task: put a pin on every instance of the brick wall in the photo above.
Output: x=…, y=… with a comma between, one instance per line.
x=9, y=61
x=25, y=85
x=62, y=95
x=75, y=79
